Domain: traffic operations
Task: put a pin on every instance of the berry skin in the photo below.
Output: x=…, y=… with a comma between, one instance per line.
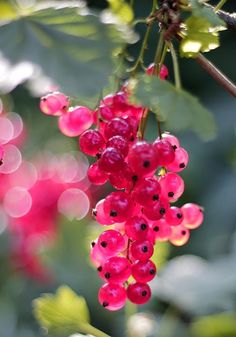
x=75, y=121
x=112, y=296
x=100, y=215
x=91, y=142
x=143, y=271
x=163, y=71
x=165, y=152
x=142, y=158
x=111, y=242
x=119, y=143
x=111, y=160
x=119, y=206
x=141, y=250
x=161, y=230
x=180, y=161
x=157, y=210
x=179, y=236
x=172, y=186
x=136, y=228
x=171, y=139
x=116, y=269
x=96, y=256
x=54, y=104
x=106, y=112
x=174, y=216
x=139, y=293
x=125, y=178
x=147, y=191
x=96, y=176
x=193, y=215
x=1, y=154
x=118, y=127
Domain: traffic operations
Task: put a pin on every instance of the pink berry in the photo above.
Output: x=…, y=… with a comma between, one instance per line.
x=174, y=216
x=141, y=250
x=1, y=154
x=147, y=191
x=106, y=112
x=111, y=160
x=163, y=74
x=96, y=256
x=171, y=139
x=179, y=236
x=100, y=215
x=119, y=143
x=118, y=127
x=54, y=104
x=180, y=161
x=75, y=121
x=139, y=293
x=193, y=215
x=157, y=210
x=116, y=269
x=161, y=230
x=91, y=142
x=96, y=176
x=172, y=186
x=111, y=242
x=143, y=271
x=165, y=152
x=112, y=296
x=125, y=178
x=136, y=228
x=119, y=206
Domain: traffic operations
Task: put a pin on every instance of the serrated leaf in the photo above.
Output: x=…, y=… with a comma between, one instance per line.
x=71, y=45
x=177, y=108
x=64, y=310
x=200, y=10
x=122, y=10
x=199, y=36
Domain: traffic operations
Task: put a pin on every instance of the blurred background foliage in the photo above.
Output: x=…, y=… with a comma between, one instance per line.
x=194, y=294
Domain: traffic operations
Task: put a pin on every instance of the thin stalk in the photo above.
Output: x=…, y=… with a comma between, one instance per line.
x=219, y=6
x=163, y=56
x=154, y=6
x=159, y=52
x=91, y=330
x=131, y=3
x=176, y=66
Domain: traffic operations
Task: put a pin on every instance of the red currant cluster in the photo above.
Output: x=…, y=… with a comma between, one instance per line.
x=140, y=211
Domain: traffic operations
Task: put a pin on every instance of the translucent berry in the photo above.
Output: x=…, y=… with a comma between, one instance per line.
x=139, y=293
x=157, y=210
x=193, y=215
x=116, y=269
x=142, y=158
x=147, y=191
x=54, y=104
x=111, y=242
x=75, y=121
x=111, y=160
x=171, y=139
x=136, y=228
x=1, y=154
x=96, y=176
x=174, y=216
x=165, y=151
x=180, y=161
x=106, y=112
x=161, y=230
x=91, y=142
x=172, y=186
x=179, y=235
x=100, y=215
x=119, y=206
x=112, y=296
x=125, y=178
x=118, y=127
x=119, y=143
x=96, y=256
x=163, y=74
x=141, y=250
x=143, y=271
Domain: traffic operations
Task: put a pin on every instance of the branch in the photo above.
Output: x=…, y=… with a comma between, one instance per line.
x=228, y=18
x=216, y=74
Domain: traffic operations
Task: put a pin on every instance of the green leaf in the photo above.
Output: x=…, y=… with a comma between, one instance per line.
x=179, y=109
x=122, y=10
x=199, y=36
x=62, y=311
x=71, y=45
x=200, y=10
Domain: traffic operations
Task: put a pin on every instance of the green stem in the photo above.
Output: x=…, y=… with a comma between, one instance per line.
x=219, y=6
x=91, y=330
x=163, y=56
x=159, y=51
x=154, y=6
x=176, y=66
x=131, y=3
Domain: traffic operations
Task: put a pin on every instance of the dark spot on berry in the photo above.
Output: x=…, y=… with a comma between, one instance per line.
x=104, y=244
x=100, y=119
x=156, y=228
x=155, y=197
x=105, y=304
x=182, y=165
x=162, y=211
x=99, y=268
x=113, y=213
x=94, y=212
x=183, y=232
x=144, y=293
x=146, y=163
x=131, y=139
x=143, y=226
x=64, y=107
x=93, y=244
x=171, y=194
x=144, y=249
x=1, y=162
x=107, y=275
x=135, y=178
x=174, y=147
x=98, y=155
x=179, y=215
x=44, y=99
x=152, y=271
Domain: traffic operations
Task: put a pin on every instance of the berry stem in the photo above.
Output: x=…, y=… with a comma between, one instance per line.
x=91, y=330
x=159, y=128
x=219, y=5
x=176, y=67
x=159, y=52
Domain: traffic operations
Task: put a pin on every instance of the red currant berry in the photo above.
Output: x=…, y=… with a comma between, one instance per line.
x=179, y=235
x=161, y=230
x=119, y=143
x=193, y=215
x=172, y=186
x=147, y=191
x=112, y=296
x=111, y=242
x=174, y=216
x=157, y=210
x=96, y=176
x=141, y=250
x=136, y=228
x=116, y=269
x=180, y=161
x=119, y=206
x=139, y=293
x=143, y=271
x=118, y=127
x=91, y=142
x=165, y=152
x=111, y=160
x=54, y=104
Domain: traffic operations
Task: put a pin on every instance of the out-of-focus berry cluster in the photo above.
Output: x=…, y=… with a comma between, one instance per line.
x=140, y=211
